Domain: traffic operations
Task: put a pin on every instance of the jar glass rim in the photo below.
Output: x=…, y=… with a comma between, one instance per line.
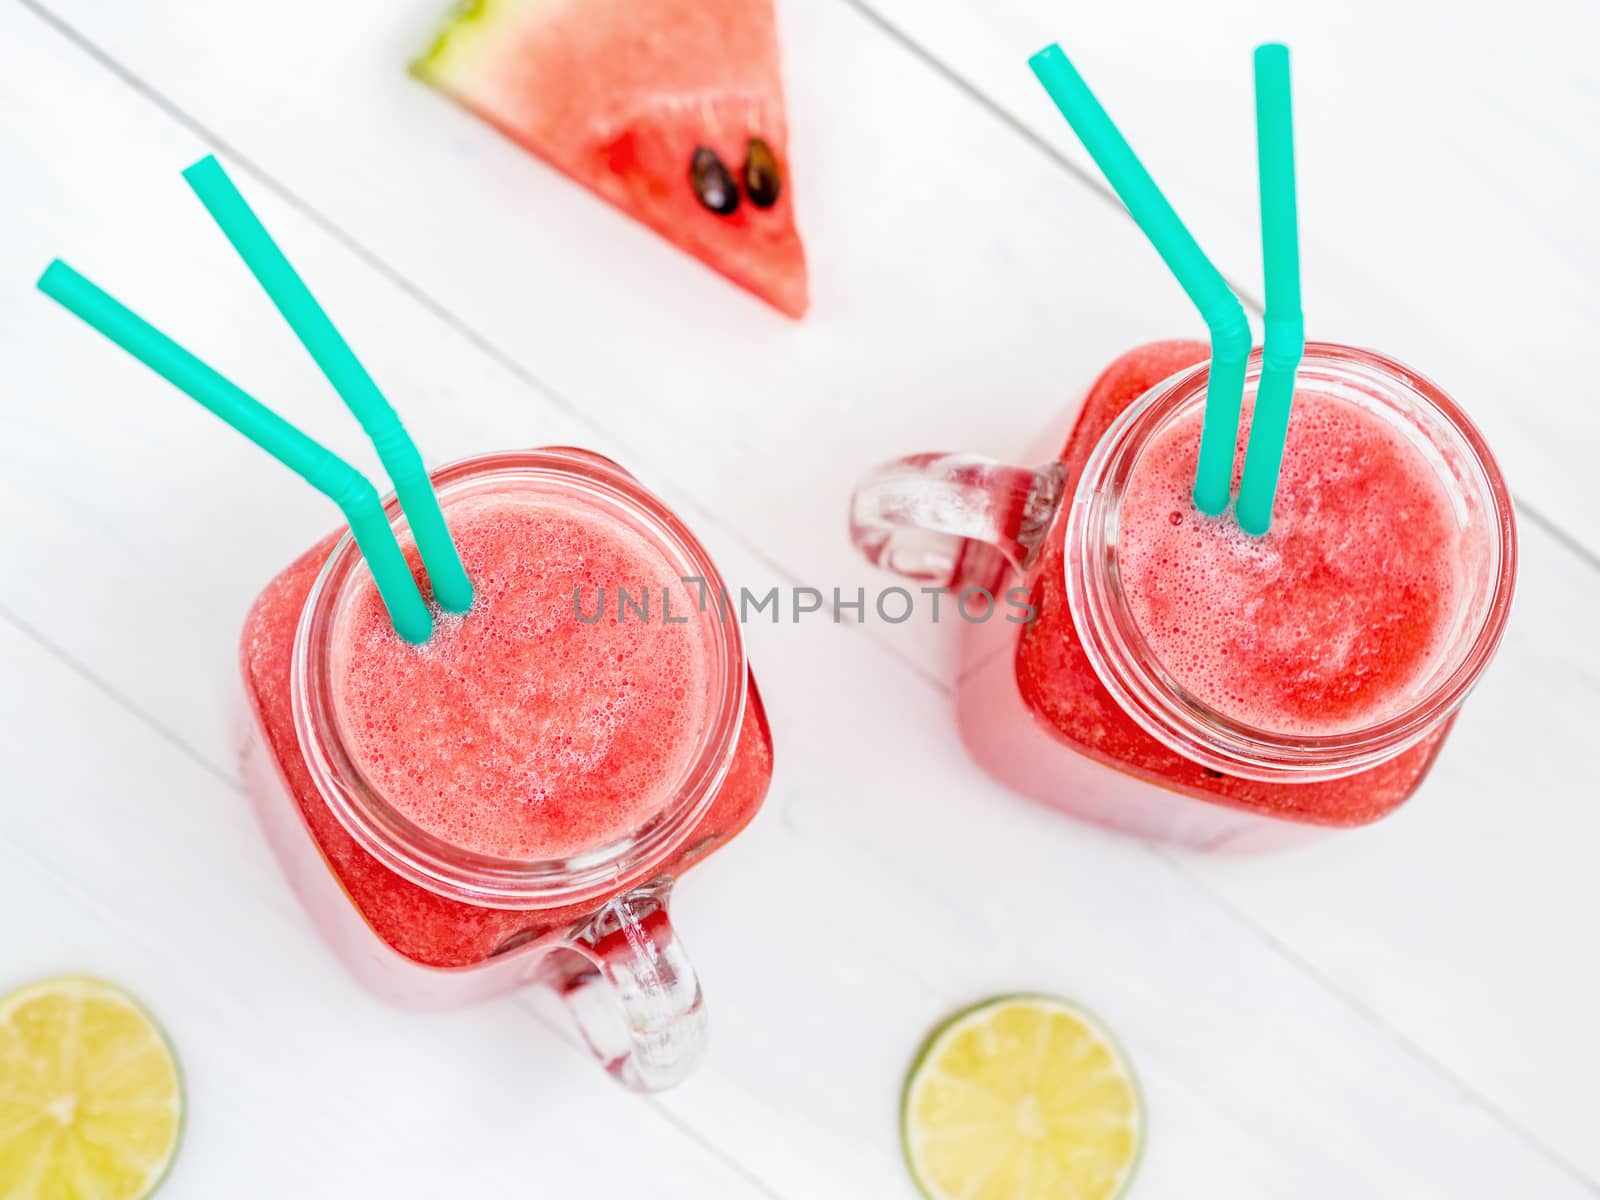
x=473, y=877
x=1159, y=704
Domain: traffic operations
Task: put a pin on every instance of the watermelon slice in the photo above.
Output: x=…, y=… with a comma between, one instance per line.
x=670, y=109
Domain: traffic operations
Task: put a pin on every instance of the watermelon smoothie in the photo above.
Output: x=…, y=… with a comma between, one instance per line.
x=511, y=801
x=1182, y=680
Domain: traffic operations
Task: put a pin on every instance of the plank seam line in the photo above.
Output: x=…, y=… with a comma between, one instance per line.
x=564, y=1033
x=1465, y=1091
x=437, y=310
x=124, y=702
x=1590, y=557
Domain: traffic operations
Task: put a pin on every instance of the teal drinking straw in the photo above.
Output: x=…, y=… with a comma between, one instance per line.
x=399, y=454
x=319, y=467
x=1223, y=314
x=1280, y=253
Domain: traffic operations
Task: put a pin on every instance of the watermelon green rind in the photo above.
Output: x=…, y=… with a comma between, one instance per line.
x=467, y=30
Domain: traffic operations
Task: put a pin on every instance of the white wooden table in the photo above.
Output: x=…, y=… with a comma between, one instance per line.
x=1409, y=1011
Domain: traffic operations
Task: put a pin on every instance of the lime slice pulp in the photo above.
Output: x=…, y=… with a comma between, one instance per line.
x=1021, y=1097
x=91, y=1105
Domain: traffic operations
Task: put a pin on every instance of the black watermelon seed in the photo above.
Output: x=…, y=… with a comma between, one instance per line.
x=762, y=182
x=712, y=182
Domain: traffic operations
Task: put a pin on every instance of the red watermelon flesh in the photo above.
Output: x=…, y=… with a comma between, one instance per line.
x=621, y=94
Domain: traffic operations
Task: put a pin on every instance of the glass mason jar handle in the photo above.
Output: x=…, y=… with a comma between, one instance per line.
x=911, y=515
x=638, y=1004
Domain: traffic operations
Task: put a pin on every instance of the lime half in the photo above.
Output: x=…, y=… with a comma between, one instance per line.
x=90, y=1101
x=1021, y=1097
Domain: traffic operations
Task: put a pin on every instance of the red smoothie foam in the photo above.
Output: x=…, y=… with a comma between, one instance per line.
x=1326, y=623
x=520, y=730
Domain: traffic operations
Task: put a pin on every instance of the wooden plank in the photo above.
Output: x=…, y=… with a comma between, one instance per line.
x=125, y=858
x=1442, y=156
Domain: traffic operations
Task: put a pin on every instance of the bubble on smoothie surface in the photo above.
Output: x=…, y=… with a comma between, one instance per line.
x=519, y=730
x=1329, y=622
